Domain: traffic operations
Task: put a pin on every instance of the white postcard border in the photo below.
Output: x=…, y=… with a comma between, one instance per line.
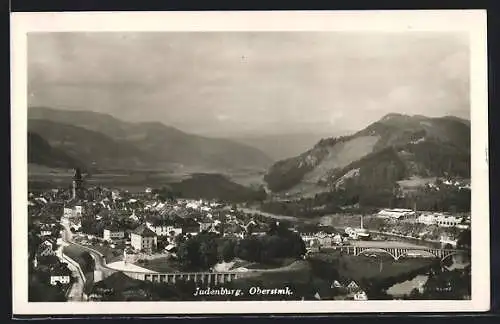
x=471, y=21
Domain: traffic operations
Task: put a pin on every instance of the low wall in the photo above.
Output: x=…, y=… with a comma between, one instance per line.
x=75, y=264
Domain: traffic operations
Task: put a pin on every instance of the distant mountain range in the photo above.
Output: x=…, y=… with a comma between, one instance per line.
x=286, y=145
x=394, y=148
x=103, y=141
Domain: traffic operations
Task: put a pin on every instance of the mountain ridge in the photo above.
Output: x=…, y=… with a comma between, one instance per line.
x=415, y=139
x=161, y=144
x=42, y=153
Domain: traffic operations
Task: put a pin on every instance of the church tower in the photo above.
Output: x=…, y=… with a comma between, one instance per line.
x=77, y=183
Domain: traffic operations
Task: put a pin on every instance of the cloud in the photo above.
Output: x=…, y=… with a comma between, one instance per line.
x=260, y=81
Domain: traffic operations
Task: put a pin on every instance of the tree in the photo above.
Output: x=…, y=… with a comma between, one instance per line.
x=248, y=249
x=208, y=253
x=226, y=250
x=464, y=240
x=198, y=252
x=448, y=246
x=34, y=242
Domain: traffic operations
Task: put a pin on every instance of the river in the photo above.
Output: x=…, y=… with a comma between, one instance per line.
x=391, y=239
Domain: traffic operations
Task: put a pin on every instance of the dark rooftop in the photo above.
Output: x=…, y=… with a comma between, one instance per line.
x=144, y=231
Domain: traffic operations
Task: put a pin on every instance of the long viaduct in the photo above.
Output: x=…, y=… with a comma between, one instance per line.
x=203, y=277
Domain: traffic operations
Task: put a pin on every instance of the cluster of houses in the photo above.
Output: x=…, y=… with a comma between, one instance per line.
x=47, y=259
x=460, y=184
x=427, y=218
x=350, y=288
x=141, y=220
x=443, y=220
x=314, y=241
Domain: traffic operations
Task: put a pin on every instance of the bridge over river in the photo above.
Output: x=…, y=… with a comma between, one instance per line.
x=399, y=251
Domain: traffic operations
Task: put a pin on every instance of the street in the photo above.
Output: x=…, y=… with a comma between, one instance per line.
x=100, y=264
x=76, y=290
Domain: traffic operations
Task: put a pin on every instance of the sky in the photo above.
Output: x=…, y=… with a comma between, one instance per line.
x=237, y=83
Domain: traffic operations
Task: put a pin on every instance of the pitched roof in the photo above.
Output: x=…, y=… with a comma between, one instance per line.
x=118, y=281
x=144, y=231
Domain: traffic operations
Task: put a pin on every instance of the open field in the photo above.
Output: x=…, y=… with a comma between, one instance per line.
x=132, y=181
x=162, y=264
x=41, y=178
x=415, y=182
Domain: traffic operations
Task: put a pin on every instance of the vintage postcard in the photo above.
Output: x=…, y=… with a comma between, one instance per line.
x=249, y=162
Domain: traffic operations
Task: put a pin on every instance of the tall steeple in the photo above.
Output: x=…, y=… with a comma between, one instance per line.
x=77, y=182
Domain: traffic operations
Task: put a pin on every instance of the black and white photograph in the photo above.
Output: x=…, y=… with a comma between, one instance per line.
x=175, y=161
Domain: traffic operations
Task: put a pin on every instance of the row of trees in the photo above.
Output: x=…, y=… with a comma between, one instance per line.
x=204, y=250
x=367, y=198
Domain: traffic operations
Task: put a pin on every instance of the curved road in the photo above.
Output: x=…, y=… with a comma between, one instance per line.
x=100, y=263
x=76, y=291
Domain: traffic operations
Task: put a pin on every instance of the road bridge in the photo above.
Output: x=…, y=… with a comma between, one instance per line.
x=398, y=252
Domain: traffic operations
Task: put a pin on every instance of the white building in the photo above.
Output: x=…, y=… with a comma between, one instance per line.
x=427, y=219
x=448, y=221
x=165, y=230
x=360, y=295
x=396, y=213
x=77, y=210
x=73, y=211
x=143, y=239
x=192, y=205
x=439, y=219
x=113, y=235
x=67, y=212
x=45, y=232
x=62, y=279
x=115, y=194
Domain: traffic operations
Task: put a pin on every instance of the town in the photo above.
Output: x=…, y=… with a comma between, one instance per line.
x=80, y=236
